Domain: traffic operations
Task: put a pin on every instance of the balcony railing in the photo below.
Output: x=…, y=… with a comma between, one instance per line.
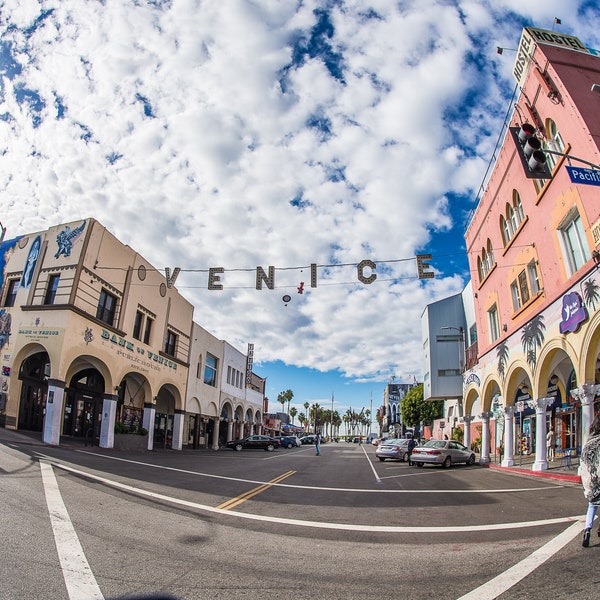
x=471, y=356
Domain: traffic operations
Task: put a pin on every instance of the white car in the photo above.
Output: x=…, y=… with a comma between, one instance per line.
x=442, y=452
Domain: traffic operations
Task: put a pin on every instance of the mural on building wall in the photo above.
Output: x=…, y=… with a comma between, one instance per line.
x=66, y=238
x=502, y=354
x=5, y=326
x=32, y=258
x=590, y=291
x=532, y=338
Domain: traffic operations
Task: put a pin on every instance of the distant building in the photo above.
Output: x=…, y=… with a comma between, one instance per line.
x=391, y=410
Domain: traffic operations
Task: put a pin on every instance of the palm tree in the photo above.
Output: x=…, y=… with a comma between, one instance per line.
x=591, y=292
x=284, y=397
x=293, y=412
x=302, y=419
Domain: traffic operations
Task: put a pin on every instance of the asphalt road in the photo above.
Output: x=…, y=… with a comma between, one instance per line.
x=83, y=523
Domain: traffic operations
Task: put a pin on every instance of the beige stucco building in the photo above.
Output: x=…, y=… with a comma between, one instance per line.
x=93, y=336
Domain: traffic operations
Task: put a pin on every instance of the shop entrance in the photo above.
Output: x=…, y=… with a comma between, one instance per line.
x=34, y=374
x=83, y=405
x=163, y=420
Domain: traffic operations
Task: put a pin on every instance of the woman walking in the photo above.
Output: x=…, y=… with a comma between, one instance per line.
x=590, y=477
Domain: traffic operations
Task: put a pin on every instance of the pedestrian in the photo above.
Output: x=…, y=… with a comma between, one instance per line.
x=410, y=447
x=551, y=443
x=318, y=444
x=590, y=477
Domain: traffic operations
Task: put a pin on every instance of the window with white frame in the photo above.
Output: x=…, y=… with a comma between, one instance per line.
x=493, y=323
x=576, y=251
x=210, y=370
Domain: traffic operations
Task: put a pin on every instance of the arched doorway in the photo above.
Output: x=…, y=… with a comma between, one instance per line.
x=83, y=405
x=34, y=374
x=163, y=420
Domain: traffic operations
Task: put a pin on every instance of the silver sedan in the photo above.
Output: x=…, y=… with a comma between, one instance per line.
x=393, y=448
x=442, y=452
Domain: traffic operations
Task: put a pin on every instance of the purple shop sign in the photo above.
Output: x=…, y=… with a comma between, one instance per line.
x=574, y=313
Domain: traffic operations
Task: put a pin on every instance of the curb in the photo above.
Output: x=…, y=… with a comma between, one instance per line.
x=543, y=474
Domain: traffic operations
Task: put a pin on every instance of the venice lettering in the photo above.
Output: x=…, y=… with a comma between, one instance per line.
x=365, y=274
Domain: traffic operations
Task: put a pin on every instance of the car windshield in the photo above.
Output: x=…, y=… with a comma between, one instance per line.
x=435, y=444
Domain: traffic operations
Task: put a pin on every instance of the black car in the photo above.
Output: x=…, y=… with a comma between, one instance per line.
x=261, y=442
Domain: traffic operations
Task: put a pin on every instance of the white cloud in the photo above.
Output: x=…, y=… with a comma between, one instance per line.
x=188, y=124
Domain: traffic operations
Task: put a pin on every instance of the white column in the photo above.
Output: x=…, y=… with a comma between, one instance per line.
x=53, y=415
x=148, y=422
x=586, y=394
x=230, y=430
x=541, y=452
x=467, y=435
x=215, y=436
x=509, y=437
x=485, y=438
x=177, y=439
x=107, y=427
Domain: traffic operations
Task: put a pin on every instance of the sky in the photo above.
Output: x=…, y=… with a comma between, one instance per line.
x=272, y=133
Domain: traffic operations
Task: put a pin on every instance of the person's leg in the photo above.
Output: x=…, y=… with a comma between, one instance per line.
x=589, y=517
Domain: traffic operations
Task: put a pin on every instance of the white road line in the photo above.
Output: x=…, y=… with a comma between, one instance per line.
x=503, y=582
x=79, y=579
x=377, y=478
x=315, y=487
x=315, y=524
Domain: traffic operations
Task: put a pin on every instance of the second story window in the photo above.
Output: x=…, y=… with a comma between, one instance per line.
x=210, y=370
x=11, y=292
x=137, y=325
x=107, y=306
x=574, y=244
x=50, y=295
x=148, y=330
x=171, y=343
x=493, y=323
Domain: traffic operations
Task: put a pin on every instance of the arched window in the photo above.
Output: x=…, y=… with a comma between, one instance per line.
x=518, y=207
x=511, y=218
x=480, y=269
x=504, y=227
x=553, y=142
x=490, y=255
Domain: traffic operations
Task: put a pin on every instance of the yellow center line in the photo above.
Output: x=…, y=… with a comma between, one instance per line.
x=253, y=492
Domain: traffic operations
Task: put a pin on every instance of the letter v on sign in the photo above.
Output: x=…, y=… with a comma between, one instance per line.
x=171, y=279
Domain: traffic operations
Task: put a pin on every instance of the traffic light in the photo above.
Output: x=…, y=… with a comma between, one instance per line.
x=530, y=152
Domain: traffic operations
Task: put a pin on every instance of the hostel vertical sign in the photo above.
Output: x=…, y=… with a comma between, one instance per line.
x=249, y=363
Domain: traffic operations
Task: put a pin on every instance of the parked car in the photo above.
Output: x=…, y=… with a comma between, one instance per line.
x=262, y=442
x=310, y=439
x=442, y=452
x=379, y=441
x=393, y=448
x=288, y=441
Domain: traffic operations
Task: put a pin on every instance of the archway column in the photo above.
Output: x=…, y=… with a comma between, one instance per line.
x=484, y=457
x=467, y=433
x=541, y=453
x=148, y=422
x=107, y=426
x=586, y=394
x=177, y=439
x=214, y=443
x=509, y=437
x=54, y=408
x=230, y=432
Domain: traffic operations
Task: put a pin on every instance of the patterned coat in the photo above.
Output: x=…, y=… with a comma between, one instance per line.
x=590, y=469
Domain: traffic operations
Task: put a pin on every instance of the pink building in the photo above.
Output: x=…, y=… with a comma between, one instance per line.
x=533, y=245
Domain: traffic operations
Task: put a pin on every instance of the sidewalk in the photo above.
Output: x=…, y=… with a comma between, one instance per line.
x=559, y=469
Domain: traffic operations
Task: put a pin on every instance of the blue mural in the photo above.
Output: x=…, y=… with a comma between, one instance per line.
x=32, y=258
x=66, y=238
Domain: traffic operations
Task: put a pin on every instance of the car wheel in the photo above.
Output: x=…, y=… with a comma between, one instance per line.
x=471, y=460
x=447, y=462
x=420, y=465
x=238, y=447
x=381, y=458
x=290, y=445
x=270, y=448
x=405, y=457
